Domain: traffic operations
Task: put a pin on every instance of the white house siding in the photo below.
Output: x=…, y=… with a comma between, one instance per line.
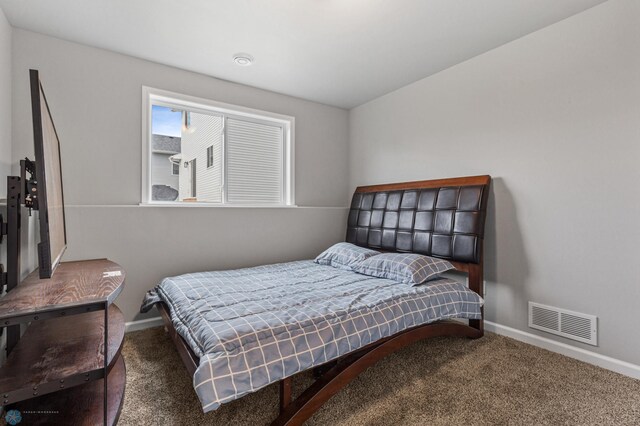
x=203, y=131
x=254, y=162
x=161, y=170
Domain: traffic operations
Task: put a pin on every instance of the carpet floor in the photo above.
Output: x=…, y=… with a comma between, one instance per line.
x=444, y=381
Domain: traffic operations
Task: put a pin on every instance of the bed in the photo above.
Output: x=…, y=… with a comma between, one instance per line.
x=238, y=331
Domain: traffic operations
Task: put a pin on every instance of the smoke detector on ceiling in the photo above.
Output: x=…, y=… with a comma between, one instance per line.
x=243, y=59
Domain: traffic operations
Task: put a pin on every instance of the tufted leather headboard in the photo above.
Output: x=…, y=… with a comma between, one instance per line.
x=440, y=218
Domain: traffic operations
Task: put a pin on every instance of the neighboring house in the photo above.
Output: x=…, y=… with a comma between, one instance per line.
x=165, y=172
x=201, y=158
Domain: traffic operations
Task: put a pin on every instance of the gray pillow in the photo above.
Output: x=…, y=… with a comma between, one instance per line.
x=406, y=268
x=344, y=256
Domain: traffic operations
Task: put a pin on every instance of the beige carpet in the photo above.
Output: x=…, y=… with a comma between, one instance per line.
x=444, y=381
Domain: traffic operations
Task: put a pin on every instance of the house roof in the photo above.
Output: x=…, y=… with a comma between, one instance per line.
x=166, y=144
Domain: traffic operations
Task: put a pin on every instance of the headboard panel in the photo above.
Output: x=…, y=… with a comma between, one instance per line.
x=441, y=218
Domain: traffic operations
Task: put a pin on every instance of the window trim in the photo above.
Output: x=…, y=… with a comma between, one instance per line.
x=210, y=156
x=152, y=96
x=172, y=166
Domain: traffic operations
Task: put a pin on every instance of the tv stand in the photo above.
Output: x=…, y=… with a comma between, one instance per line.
x=59, y=370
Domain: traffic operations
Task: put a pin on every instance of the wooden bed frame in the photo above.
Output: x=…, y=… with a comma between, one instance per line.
x=333, y=376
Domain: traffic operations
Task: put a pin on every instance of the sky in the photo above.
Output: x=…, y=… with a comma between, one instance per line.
x=165, y=122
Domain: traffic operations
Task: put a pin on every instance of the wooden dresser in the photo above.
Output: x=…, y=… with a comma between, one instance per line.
x=56, y=373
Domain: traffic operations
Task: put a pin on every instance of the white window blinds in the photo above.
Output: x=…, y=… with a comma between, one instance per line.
x=255, y=157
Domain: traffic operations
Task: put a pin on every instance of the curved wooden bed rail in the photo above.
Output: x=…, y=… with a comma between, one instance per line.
x=189, y=359
x=347, y=369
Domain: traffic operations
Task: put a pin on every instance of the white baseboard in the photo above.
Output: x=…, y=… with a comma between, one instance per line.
x=622, y=367
x=142, y=324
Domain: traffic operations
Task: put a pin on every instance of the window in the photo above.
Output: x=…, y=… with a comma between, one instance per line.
x=248, y=153
x=210, y=156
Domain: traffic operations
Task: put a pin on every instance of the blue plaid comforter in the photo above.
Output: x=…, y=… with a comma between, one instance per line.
x=255, y=326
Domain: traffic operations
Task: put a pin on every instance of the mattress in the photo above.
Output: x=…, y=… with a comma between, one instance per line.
x=255, y=326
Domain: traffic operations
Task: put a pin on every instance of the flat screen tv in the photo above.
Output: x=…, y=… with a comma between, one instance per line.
x=50, y=199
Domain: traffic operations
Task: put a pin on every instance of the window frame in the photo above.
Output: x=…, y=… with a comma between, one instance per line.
x=172, y=170
x=152, y=96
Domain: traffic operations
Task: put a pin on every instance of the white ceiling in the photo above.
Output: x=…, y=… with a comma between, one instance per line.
x=338, y=52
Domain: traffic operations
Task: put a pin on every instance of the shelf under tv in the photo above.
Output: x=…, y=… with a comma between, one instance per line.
x=60, y=353
x=80, y=405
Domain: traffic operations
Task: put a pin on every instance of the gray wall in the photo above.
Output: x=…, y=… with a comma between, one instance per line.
x=95, y=97
x=95, y=100
x=5, y=101
x=555, y=118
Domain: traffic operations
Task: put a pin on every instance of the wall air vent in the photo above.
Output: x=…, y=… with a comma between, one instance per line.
x=572, y=325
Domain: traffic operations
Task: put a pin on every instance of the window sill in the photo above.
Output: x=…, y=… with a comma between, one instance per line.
x=218, y=206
